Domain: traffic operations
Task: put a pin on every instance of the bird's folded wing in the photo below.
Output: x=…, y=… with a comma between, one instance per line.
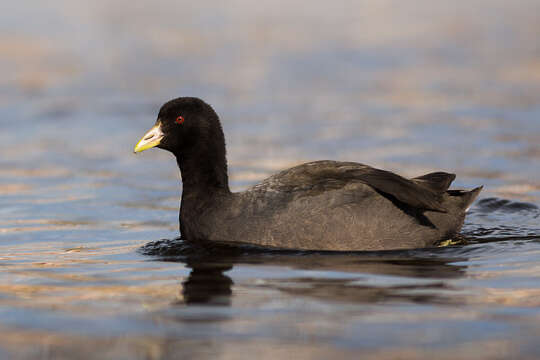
x=424, y=192
x=421, y=194
x=437, y=181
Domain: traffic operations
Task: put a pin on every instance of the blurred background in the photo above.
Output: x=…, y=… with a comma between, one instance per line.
x=411, y=87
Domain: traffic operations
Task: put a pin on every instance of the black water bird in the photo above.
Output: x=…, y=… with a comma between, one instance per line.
x=321, y=205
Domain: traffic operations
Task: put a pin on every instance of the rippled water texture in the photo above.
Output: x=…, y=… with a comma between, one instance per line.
x=410, y=86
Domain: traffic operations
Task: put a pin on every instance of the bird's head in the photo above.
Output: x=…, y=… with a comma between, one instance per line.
x=182, y=124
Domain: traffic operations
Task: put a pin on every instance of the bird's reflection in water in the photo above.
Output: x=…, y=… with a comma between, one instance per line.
x=207, y=284
x=416, y=276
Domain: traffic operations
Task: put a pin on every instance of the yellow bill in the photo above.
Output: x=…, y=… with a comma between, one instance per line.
x=150, y=139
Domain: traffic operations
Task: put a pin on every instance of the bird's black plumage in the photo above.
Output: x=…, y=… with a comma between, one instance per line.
x=321, y=205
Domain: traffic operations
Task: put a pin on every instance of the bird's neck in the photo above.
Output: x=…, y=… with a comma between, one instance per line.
x=203, y=171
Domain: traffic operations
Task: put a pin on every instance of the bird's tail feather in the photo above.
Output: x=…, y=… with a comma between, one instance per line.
x=467, y=197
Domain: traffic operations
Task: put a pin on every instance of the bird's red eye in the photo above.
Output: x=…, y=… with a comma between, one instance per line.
x=179, y=120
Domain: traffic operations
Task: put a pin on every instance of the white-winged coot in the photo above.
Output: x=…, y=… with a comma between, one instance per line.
x=321, y=205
